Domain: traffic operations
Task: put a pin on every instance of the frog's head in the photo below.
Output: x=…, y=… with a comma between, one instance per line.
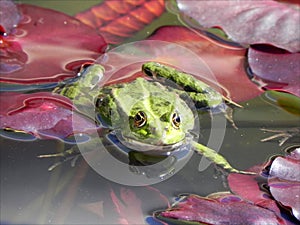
x=156, y=123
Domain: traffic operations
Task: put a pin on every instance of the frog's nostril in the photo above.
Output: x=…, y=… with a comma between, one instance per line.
x=148, y=72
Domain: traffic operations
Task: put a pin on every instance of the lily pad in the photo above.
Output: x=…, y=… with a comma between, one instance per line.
x=249, y=22
x=44, y=115
x=118, y=20
x=218, y=208
x=226, y=62
x=9, y=16
x=46, y=46
x=275, y=69
x=280, y=184
x=284, y=181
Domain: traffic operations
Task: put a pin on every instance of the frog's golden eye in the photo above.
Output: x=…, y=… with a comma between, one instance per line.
x=140, y=119
x=175, y=120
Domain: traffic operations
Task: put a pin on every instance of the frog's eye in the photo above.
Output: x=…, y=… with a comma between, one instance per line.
x=140, y=119
x=175, y=120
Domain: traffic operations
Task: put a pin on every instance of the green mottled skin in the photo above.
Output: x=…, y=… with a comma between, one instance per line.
x=202, y=94
x=149, y=113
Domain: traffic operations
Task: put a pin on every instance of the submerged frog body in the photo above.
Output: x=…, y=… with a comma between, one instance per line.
x=154, y=114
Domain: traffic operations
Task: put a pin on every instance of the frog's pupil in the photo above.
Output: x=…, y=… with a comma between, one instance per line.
x=176, y=120
x=140, y=119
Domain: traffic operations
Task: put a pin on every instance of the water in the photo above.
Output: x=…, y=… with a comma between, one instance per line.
x=30, y=194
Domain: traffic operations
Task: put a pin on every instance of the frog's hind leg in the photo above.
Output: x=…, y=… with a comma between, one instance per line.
x=216, y=158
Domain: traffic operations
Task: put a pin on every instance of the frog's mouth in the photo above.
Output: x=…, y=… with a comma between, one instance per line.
x=157, y=148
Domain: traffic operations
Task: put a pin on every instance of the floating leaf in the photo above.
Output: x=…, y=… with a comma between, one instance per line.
x=284, y=181
x=9, y=16
x=249, y=22
x=46, y=46
x=42, y=114
x=226, y=62
x=281, y=183
x=275, y=69
x=117, y=20
x=218, y=208
x=250, y=187
x=286, y=101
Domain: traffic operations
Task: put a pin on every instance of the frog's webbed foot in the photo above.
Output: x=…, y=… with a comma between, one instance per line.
x=65, y=156
x=282, y=135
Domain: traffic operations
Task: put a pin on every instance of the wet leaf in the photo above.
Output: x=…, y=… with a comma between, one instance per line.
x=249, y=22
x=118, y=20
x=251, y=188
x=43, y=114
x=226, y=62
x=286, y=101
x=275, y=69
x=284, y=181
x=9, y=16
x=46, y=46
x=218, y=208
x=280, y=183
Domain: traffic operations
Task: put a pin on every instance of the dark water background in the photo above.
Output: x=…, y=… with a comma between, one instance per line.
x=30, y=194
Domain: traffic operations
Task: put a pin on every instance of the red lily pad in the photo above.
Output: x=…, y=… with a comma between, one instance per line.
x=282, y=184
x=9, y=16
x=284, y=181
x=218, y=208
x=226, y=62
x=250, y=187
x=118, y=20
x=249, y=22
x=276, y=69
x=47, y=46
x=43, y=114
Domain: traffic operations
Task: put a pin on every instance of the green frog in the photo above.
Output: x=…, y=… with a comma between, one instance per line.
x=153, y=114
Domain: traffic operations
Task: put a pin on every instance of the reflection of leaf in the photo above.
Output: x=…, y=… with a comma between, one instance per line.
x=249, y=22
x=117, y=20
x=47, y=46
x=226, y=62
x=278, y=70
x=128, y=207
x=218, y=208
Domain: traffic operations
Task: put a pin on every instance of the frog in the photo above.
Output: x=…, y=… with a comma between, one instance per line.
x=153, y=114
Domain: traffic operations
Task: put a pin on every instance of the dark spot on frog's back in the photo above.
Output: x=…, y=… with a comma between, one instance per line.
x=202, y=104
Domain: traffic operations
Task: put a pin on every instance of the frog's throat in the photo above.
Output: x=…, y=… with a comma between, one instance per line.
x=149, y=148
